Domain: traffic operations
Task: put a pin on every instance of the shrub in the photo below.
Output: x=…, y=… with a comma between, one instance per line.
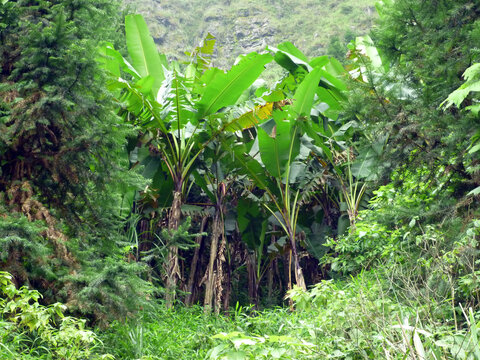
x=29, y=330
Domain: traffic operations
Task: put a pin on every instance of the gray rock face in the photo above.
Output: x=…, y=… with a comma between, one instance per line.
x=243, y=26
x=245, y=34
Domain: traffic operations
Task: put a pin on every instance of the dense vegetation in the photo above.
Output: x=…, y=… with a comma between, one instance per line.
x=183, y=211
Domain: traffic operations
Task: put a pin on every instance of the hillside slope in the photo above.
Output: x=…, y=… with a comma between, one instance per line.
x=317, y=27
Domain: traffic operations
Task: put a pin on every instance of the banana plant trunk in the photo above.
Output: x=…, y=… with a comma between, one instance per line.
x=252, y=277
x=172, y=268
x=221, y=273
x=213, y=290
x=192, y=286
x=228, y=287
x=299, y=279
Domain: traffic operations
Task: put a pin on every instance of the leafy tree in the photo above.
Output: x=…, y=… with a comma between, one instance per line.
x=419, y=229
x=55, y=112
x=428, y=45
x=61, y=151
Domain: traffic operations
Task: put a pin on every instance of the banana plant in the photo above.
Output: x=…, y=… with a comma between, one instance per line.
x=276, y=160
x=214, y=179
x=179, y=114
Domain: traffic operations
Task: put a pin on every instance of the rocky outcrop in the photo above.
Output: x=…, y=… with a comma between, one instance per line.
x=239, y=33
x=243, y=26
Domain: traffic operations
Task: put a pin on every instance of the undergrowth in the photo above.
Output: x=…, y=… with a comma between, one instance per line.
x=30, y=330
x=359, y=319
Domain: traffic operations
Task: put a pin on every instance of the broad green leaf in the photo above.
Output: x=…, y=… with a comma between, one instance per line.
x=474, y=149
x=252, y=223
x=303, y=98
x=235, y=355
x=461, y=93
x=143, y=51
x=297, y=171
x=334, y=81
x=214, y=353
x=335, y=67
x=288, y=60
x=225, y=89
x=279, y=146
x=320, y=61
x=247, y=165
x=475, y=109
x=242, y=341
x=144, y=85
x=475, y=191
x=472, y=72
x=288, y=47
x=314, y=142
x=327, y=97
x=113, y=61
x=206, y=78
x=472, y=84
x=365, y=45
x=344, y=128
x=200, y=181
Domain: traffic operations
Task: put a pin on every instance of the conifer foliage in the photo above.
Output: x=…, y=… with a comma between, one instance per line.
x=54, y=114
x=60, y=152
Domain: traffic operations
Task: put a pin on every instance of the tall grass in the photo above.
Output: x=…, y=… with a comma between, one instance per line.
x=358, y=319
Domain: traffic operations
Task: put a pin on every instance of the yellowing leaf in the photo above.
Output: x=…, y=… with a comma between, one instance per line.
x=252, y=118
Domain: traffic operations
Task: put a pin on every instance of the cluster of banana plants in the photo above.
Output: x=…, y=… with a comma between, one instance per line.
x=261, y=162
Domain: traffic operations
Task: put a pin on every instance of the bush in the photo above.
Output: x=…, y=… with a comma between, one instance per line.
x=29, y=330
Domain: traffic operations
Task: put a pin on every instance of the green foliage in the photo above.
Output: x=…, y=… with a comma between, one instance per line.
x=258, y=347
x=29, y=330
x=359, y=319
x=24, y=250
x=108, y=288
x=401, y=234
x=225, y=89
x=383, y=229
x=62, y=163
x=366, y=247
x=57, y=114
x=160, y=333
x=142, y=50
x=182, y=238
x=417, y=40
x=305, y=150
x=471, y=85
